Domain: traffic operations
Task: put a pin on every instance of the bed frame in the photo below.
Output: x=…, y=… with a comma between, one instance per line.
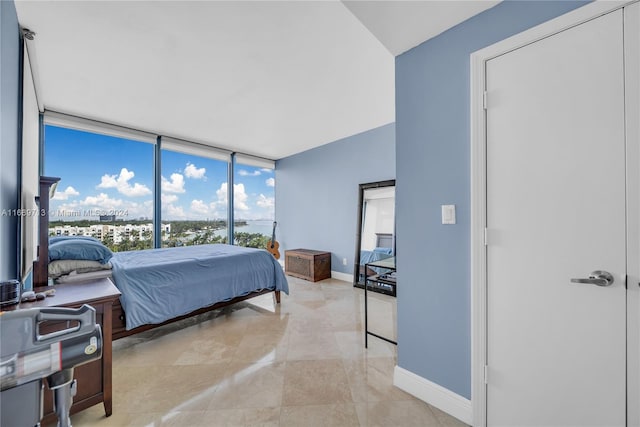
x=119, y=316
x=41, y=265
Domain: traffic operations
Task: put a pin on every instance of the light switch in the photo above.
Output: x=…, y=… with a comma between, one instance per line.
x=448, y=214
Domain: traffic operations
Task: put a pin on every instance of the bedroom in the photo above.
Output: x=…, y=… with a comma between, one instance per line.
x=427, y=156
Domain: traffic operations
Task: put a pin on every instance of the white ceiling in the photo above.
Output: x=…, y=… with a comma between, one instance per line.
x=268, y=78
x=401, y=25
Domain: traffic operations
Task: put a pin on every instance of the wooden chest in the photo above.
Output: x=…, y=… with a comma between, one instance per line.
x=308, y=264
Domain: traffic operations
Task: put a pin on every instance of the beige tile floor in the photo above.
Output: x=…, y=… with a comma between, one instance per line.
x=299, y=363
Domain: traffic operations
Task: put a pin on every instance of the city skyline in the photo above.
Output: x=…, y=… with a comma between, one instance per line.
x=107, y=175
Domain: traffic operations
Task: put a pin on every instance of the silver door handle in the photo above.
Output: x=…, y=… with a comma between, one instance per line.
x=598, y=278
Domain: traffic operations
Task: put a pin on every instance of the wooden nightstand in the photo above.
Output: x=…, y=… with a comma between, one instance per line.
x=94, y=379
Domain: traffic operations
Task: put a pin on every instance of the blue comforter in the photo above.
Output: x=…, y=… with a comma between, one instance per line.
x=372, y=256
x=160, y=284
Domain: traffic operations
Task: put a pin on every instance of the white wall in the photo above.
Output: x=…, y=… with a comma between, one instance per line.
x=30, y=169
x=379, y=218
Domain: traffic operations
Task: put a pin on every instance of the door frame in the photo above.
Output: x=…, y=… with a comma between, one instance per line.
x=479, y=237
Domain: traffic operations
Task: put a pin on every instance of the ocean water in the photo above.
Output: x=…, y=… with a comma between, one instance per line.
x=263, y=227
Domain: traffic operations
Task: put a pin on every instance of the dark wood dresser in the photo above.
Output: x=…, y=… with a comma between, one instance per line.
x=308, y=264
x=94, y=378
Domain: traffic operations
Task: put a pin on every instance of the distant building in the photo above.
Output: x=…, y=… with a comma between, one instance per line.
x=117, y=233
x=107, y=218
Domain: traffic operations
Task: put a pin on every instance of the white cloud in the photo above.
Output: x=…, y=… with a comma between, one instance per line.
x=138, y=210
x=199, y=207
x=169, y=198
x=222, y=193
x=172, y=211
x=58, y=210
x=108, y=181
x=101, y=201
x=216, y=210
x=265, y=202
x=176, y=185
x=64, y=195
x=271, y=182
x=91, y=206
x=121, y=183
x=239, y=196
x=137, y=190
x=191, y=171
x=148, y=203
x=243, y=172
x=267, y=170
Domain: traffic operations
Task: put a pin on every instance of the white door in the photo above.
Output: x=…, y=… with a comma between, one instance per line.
x=556, y=211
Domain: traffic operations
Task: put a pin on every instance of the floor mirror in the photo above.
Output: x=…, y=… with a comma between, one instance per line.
x=375, y=238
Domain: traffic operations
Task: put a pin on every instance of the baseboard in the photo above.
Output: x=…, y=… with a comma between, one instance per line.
x=342, y=276
x=434, y=394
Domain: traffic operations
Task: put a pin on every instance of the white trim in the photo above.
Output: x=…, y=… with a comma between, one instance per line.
x=478, y=185
x=632, y=112
x=478, y=252
x=570, y=19
x=432, y=393
x=342, y=276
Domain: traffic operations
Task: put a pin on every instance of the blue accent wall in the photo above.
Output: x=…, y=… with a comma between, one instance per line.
x=9, y=115
x=317, y=192
x=433, y=168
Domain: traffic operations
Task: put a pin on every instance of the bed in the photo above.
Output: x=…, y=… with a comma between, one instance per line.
x=384, y=249
x=376, y=254
x=159, y=286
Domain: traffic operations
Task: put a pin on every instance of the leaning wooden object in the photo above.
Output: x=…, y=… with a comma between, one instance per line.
x=273, y=245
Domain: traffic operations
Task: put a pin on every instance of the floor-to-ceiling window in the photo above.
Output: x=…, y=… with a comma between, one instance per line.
x=108, y=188
x=254, y=196
x=194, y=194
x=105, y=190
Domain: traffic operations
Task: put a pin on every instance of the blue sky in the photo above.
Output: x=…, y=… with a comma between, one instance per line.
x=101, y=173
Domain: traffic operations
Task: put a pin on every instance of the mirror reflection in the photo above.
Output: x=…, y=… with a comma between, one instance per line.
x=376, y=238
